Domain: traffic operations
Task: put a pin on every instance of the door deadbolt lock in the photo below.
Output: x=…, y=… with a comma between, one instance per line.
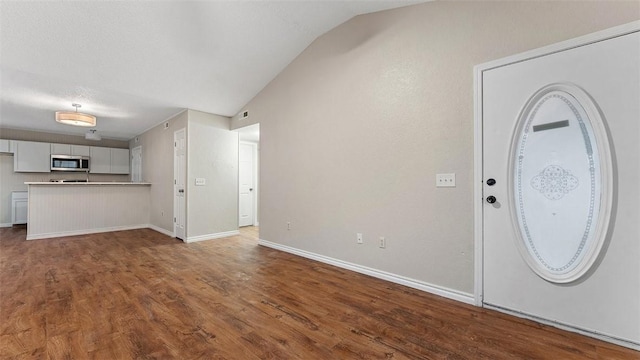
x=491, y=182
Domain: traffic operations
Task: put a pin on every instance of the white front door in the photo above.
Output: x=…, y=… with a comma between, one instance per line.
x=560, y=171
x=179, y=181
x=246, y=184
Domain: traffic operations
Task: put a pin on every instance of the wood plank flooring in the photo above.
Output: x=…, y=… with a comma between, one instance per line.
x=142, y=295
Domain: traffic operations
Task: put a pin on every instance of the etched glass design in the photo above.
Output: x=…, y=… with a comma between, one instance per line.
x=554, y=182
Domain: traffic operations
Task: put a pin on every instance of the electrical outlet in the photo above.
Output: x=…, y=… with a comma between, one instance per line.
x=383, y=242
x=446, y=180
x=359, y=238
x=288, y=225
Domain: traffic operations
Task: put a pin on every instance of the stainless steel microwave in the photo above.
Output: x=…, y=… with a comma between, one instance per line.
x=69, y=163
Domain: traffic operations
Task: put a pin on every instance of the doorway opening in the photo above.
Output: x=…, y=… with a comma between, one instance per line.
x=248, y=175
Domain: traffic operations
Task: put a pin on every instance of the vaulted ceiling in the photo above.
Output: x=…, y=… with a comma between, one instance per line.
x=134, y=64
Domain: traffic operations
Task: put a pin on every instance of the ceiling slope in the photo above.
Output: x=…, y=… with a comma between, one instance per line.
x=134, y=64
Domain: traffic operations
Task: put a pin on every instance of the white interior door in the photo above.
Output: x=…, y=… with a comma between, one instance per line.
x=246, y=184
x=180, y=178
x=560, y=137
x=136, y=164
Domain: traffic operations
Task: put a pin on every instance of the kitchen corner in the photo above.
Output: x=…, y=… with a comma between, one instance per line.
x=28, y=156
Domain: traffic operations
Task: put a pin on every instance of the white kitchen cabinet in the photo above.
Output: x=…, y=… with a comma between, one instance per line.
x=19, y=207
x=109, y=160
x=67, y=149
x=81, y=150
x=100, y=160
x=5, y=146
x=120, y=161
x=30, y=156
x=60, y=149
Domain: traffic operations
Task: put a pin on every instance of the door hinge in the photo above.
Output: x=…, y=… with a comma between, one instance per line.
x=174, y=219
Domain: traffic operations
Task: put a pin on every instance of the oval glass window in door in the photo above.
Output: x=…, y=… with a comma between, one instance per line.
x=561, y=182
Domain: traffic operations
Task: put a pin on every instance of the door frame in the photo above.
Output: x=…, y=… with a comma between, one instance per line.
x=478, y=71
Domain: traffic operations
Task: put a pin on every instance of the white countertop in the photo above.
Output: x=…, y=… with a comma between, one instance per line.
x=86, y=183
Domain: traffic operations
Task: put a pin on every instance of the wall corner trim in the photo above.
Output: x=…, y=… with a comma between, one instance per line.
x=397, y=279
x=161, y=230
x=219, y=235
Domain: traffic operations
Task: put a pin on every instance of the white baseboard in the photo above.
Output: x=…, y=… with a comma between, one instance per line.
x=85, y=232
x=6, y=225
x=604, y=337
x=412, y=283
x=161, y=230
x=212, y=236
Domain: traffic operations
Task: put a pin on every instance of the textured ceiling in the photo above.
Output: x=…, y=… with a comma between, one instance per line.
x=134, y=64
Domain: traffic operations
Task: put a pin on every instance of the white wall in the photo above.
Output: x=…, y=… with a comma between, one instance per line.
x=354, y=130
x=157, y=168
x=213, y=155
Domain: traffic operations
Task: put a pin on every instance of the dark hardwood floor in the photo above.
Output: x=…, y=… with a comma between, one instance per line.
x=142, y=295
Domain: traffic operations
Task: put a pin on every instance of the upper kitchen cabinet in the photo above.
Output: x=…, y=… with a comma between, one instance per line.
x=67, y=149
x=100, y=160
x=120, y=161
x=60, y=149
x=80, y=150
x=109, y=160
x=30, y=156
x=5, y=146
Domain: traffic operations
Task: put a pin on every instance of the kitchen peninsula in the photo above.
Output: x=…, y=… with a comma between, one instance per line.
x=59, y=209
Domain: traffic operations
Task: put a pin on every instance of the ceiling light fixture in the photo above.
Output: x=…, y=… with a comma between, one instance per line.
x=75, y=118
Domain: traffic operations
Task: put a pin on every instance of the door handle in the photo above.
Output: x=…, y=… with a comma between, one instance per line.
x=491, y=199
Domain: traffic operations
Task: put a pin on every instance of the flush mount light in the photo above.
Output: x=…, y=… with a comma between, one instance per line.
x=75, y=118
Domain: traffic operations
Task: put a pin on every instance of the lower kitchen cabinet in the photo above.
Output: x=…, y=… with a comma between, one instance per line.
x=19, y=207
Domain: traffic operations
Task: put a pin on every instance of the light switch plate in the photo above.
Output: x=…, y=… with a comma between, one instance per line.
x=200, y=181
x=446, y=180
